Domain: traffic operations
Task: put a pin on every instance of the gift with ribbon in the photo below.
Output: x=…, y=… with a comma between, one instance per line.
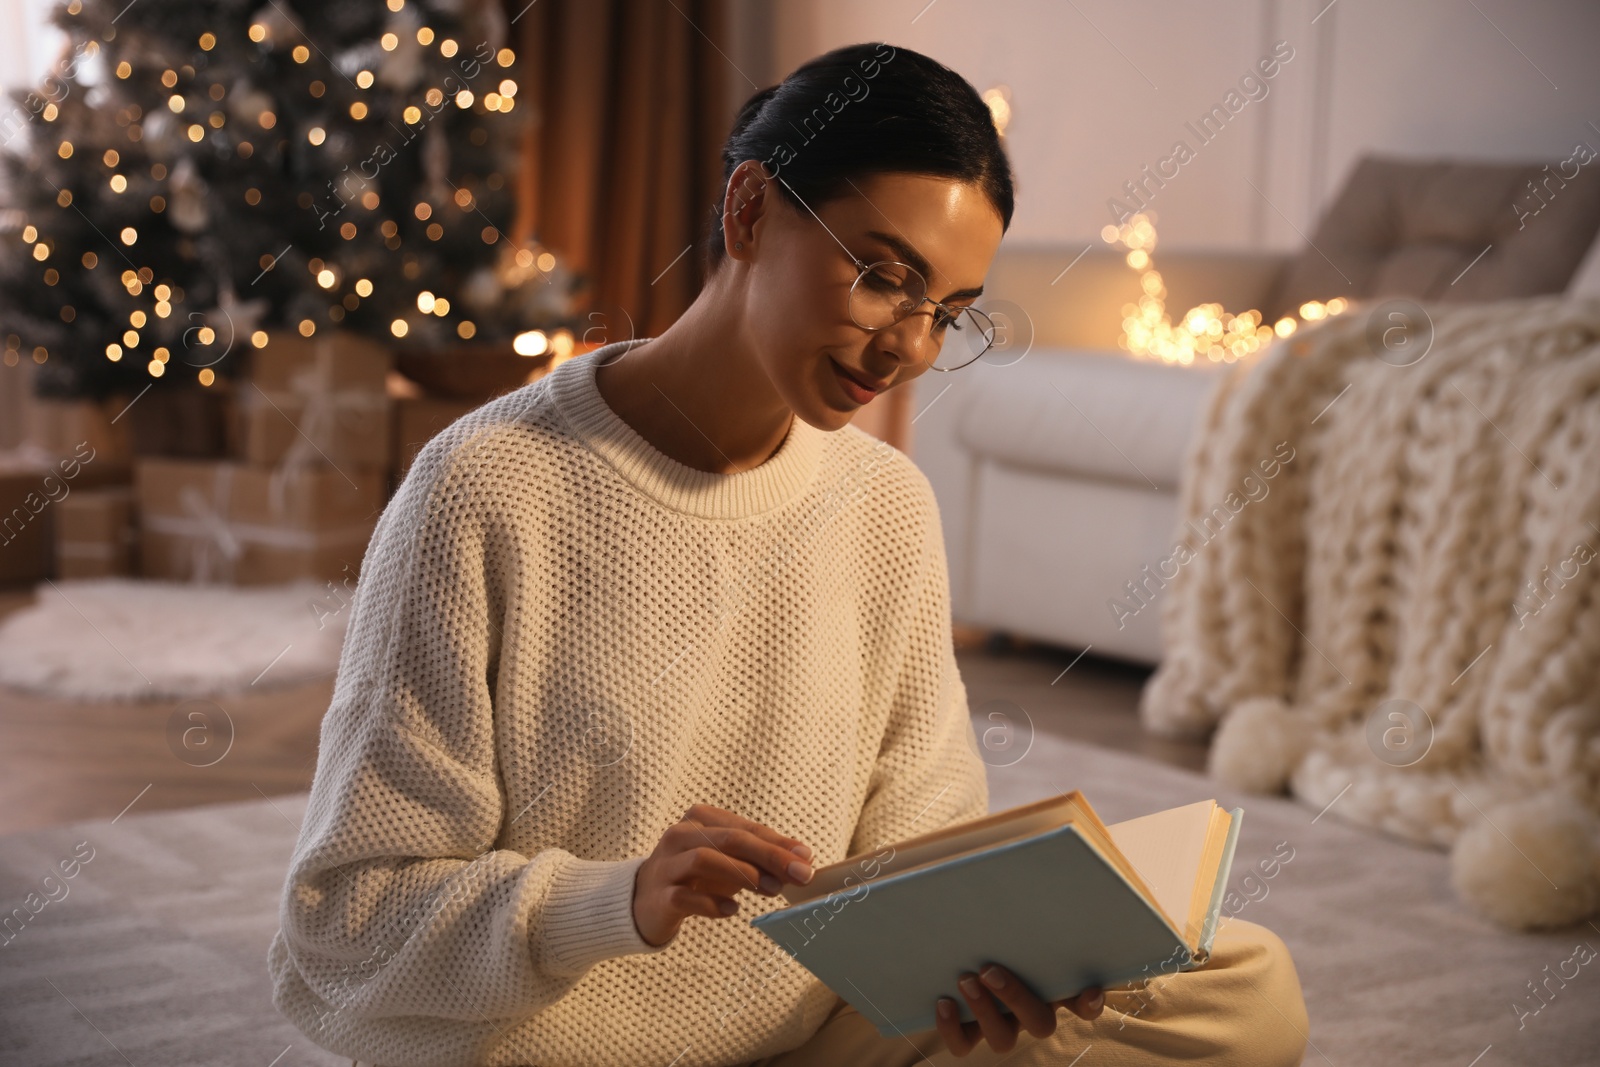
x=321, y=399
x=222, y=521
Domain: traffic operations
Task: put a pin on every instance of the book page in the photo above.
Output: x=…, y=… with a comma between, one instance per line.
x=924, y=849
x=1167, y=849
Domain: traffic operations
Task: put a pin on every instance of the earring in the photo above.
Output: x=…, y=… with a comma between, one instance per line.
x=738, y=244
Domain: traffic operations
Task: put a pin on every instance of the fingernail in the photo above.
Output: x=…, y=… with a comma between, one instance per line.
x=1096, y=1001
x=993, y=978
x=799, y=872
x=768, y=883
x=728, y=907
x=969, y=986
x=803, y=851
x=947, y=1007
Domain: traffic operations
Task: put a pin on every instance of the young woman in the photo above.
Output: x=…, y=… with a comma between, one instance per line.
x=641, y=642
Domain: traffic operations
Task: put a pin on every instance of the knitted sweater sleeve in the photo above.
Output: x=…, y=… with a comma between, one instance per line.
x=929, y=773
x=397, y=902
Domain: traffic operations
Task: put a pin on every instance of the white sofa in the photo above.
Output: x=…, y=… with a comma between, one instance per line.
x=1057, y=473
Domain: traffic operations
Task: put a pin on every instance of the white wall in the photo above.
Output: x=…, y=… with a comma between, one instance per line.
x=1100, y=88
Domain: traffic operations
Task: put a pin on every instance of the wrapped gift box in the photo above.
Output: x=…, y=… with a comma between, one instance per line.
x=223, y=521
x=91, y=428
x=95, y=533
x=33, y=485
x=334, y=360
x=416, y=421
x=342, y=427
x=321, y=398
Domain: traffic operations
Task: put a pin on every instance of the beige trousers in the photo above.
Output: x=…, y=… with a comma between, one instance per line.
x=1243, y=1008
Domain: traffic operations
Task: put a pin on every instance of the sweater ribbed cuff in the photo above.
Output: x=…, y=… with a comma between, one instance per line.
x=588, y=915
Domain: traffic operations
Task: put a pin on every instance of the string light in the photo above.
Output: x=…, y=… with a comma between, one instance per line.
x=1204, y=330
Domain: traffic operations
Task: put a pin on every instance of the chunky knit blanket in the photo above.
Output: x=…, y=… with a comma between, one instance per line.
x=1389, y=591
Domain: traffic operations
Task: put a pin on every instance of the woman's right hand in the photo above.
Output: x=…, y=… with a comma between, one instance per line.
x=702, y=861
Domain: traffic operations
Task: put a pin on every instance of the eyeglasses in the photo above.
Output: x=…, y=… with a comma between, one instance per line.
x=886, y=291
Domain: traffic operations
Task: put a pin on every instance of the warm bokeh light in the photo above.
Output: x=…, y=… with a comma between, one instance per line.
x=1148, y=331
x=531, y=343
x=998, y=100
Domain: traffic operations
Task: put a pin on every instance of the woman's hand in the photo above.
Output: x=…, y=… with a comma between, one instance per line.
x=1028, y=1011
x=702, y=861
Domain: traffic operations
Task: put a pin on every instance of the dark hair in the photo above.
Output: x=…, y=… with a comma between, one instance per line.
x=861, y=110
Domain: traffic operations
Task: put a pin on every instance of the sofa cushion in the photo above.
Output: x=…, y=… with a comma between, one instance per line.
x=1449, y=231
x=1091, y=414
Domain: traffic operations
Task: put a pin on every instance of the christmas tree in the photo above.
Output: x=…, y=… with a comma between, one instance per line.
x=199, y=172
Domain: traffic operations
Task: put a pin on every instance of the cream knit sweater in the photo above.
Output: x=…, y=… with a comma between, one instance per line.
x=561, y=640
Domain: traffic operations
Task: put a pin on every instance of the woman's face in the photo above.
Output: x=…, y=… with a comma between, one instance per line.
x=820, y=362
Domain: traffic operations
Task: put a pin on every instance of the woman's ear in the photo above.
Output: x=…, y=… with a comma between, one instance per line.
x=744, y=205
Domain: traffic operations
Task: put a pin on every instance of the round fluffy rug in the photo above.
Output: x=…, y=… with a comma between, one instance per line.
x=131, y=639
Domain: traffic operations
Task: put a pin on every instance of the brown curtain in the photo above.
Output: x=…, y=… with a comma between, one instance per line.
x=628, y=102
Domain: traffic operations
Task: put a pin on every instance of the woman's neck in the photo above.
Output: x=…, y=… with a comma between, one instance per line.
x=697, y=393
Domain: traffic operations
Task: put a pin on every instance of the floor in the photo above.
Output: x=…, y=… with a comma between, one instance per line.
x=63, y=761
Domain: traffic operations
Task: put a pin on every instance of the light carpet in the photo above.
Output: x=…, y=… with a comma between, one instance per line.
x=157, y=954
x=128, y=639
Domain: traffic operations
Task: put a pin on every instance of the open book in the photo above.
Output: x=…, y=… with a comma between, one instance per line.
x=1045, y=889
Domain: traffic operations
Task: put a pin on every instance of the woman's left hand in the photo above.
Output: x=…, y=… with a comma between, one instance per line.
x=998, y=987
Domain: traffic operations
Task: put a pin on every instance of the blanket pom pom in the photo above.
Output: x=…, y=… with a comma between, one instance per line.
x=1258, y=745
x=1530, y=864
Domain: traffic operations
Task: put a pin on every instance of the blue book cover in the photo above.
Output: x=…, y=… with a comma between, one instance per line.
x=1064, y=907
